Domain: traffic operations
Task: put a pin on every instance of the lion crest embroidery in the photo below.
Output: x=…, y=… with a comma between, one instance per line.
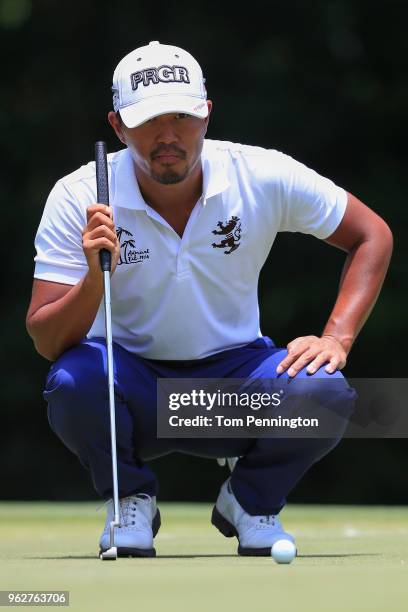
x=232, y=232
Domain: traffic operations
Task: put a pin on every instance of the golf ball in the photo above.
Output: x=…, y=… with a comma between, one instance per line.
x=283, y=551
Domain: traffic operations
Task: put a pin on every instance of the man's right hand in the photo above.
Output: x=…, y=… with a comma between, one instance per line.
x=98, y=234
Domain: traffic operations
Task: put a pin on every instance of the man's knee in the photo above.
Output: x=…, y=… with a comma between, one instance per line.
x=76, y=390
x=332, y=392
x=320, y=389
x=78, y=372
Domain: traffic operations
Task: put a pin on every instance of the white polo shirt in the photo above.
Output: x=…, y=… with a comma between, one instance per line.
x=187, y=298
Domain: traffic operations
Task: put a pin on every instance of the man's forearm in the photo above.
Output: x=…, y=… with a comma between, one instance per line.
x=57, y=326
x=361, y=281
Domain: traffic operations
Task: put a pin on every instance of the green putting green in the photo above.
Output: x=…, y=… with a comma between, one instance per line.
x=350, y=559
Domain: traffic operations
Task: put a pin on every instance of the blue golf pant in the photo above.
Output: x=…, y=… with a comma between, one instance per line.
x=78, y=412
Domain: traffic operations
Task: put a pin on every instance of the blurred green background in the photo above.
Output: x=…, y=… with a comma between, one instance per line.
x=324, y=81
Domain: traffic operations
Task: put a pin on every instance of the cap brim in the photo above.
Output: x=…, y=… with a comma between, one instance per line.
x=136, y=114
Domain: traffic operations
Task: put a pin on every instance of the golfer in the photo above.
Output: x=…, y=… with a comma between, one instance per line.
x=190, y=225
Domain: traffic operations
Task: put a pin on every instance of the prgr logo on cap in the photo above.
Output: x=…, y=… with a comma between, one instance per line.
x=139, y=84
x=163, y=74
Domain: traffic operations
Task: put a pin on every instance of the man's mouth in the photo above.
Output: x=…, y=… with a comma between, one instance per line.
x=167, y=158
x=168, y=155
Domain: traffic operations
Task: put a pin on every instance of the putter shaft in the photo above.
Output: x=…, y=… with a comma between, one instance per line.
x=108, y=327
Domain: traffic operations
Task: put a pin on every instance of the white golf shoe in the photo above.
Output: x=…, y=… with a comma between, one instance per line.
x=139, y=523
x=256, y=534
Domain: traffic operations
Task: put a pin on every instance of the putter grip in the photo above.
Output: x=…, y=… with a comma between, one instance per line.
x=102, y=193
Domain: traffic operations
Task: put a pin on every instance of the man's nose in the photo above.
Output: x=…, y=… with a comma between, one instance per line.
x=166, y=132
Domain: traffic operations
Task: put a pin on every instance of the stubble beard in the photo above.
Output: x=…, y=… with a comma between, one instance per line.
x=169, y=177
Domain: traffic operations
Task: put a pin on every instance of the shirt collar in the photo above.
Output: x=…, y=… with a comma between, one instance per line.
x=126, y=188
x=215, y=177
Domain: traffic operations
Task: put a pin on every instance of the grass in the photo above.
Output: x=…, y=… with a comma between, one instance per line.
x=351, y=558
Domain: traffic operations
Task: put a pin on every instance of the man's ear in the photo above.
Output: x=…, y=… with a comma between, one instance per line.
x=117, y=126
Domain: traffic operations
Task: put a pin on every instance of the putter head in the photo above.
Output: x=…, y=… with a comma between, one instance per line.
x=111, y=554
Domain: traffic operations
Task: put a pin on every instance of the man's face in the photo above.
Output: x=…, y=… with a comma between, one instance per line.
x=168, y=147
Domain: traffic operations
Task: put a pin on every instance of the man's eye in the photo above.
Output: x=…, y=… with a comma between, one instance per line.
x=181, y=115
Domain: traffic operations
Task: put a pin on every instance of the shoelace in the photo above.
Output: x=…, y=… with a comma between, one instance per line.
x=127, y=507
x=264, y=521
x=268, y=519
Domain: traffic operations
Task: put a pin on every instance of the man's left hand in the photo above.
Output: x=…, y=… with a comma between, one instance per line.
x=313, y=352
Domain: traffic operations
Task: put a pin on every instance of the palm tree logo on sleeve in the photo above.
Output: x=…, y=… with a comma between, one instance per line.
x=128, y=252
x=232, y=232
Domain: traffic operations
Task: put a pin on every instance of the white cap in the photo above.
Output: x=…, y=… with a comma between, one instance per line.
x=158, y=79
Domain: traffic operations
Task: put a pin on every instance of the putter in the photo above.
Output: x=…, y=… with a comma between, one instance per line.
x=102, y=187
